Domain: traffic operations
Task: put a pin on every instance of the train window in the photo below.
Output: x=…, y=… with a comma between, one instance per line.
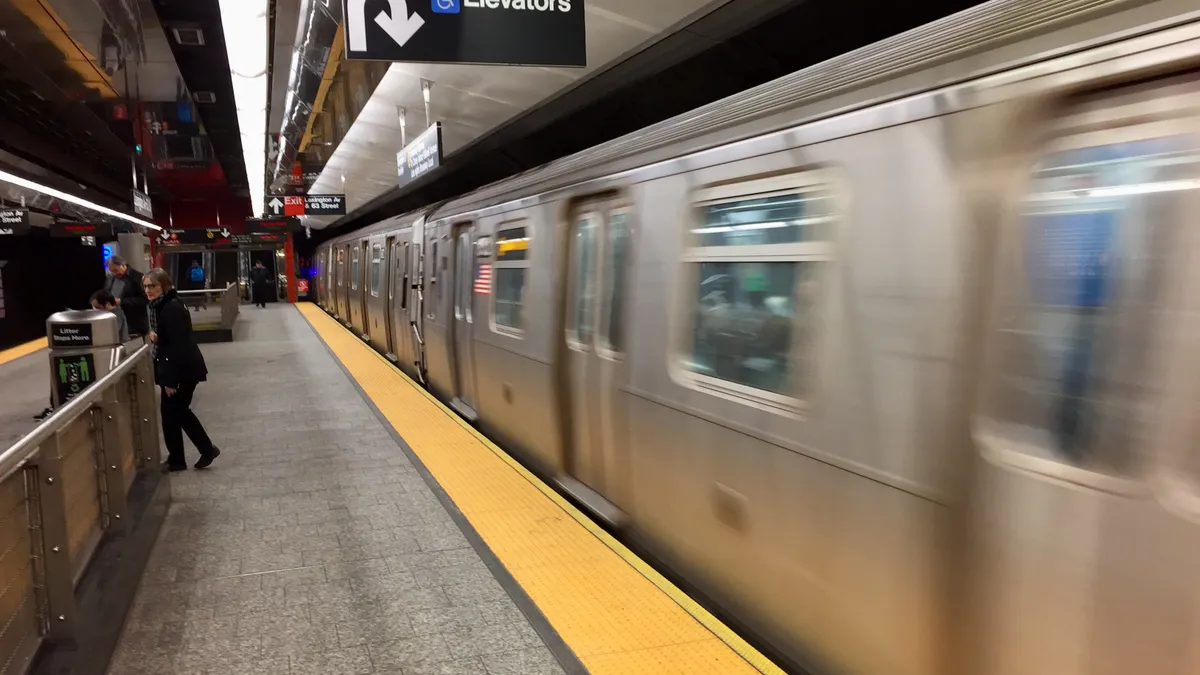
x=755, y=257
x=433, y=279
x=354, y=269
x=1099, y=225
x=616, y=258
x=512, y=267
x=341, y=267
x=376, y=268
x=405, y=261
x=583, y=284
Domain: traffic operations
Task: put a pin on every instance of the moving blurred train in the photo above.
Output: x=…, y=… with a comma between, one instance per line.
x=888, y=357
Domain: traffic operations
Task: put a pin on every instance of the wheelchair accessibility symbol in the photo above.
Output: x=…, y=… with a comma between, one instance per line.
x=447, y=6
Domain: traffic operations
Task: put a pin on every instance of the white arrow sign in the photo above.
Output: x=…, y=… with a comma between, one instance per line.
x=276, y=206
x=400, y=26
x=225, y=233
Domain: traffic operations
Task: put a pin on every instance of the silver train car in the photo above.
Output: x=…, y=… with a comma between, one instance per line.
x=887, y=358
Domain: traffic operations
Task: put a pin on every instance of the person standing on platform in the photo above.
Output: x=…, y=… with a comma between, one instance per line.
x=196, y=277
x=259, y=278
x=103, y=300
x=125, y=284
x=178, y=368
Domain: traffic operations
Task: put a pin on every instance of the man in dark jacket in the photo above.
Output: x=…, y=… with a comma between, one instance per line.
x=260, y=279
x=125, y=283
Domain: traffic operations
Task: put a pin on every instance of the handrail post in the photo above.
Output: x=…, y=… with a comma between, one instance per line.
x=116, y=443
x=146, y=415
x=60, y=577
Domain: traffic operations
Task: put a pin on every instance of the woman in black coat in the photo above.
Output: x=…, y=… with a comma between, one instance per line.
x=178, y=368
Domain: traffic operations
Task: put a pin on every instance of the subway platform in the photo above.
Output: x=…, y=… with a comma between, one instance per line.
x=354, y=525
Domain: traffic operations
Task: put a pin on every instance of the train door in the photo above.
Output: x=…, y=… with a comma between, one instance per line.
x=464, y=318
x=364, y=295
x=393, y=280
x=596, y=285
x=1091, y=547
x=416, y=295
x=341, y=303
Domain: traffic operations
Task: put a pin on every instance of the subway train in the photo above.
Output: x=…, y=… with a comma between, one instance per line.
x=886, y=359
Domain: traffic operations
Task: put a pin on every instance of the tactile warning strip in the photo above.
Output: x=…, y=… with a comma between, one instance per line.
x=17, y=352
x=613, y=610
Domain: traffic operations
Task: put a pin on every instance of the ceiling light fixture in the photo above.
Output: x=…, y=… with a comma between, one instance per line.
x=78, y=201
x=245, y=24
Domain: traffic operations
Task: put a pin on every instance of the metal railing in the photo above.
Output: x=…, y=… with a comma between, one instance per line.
x=63, y=488
x=228, y=298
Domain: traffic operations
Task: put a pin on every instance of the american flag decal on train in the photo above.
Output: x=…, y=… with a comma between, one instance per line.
x=483, y=279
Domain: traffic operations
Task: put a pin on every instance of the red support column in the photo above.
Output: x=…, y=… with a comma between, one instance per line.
x=290, y=265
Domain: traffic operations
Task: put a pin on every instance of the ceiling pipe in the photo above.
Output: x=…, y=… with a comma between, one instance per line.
x=315, y=34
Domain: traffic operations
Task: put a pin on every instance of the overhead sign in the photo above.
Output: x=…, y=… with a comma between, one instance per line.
x=325, y=205
x=215, y=236
x=501, y=32
x=306, y=205
x=421, y=156
x=271, y=225
x=14, y=221
x=65, y=230
x=142, y=205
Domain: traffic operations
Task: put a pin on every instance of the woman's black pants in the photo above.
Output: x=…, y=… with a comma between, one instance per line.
x=178, y=419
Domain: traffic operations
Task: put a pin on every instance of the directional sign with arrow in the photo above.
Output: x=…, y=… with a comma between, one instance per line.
x=504, y=32
x=275, y=206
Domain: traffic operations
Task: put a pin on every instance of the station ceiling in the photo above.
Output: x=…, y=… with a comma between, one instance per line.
x=470, y=100
x=77, y=77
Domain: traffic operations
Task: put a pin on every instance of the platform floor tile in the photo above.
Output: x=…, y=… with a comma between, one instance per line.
x=313, y=545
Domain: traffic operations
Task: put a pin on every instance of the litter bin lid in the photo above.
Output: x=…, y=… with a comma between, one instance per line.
x=74, y=329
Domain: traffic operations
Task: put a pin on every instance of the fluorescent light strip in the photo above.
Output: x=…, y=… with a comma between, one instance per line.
x=245, y=24
x=59, y=194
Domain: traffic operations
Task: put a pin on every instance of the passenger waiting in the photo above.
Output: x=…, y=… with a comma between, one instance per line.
x=178, y=368
x=125, y=284
x=259, y=279
x=104, y=300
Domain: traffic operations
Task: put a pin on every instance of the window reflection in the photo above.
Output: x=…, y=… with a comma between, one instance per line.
x=584, y=284
x=1098, y=227
x=744, y=322
x=781, y=219
x=510, y=296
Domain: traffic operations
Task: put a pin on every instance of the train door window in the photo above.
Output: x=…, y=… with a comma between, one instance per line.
x=512, y=268
x=612, y=302
x=395, y=280
x=354, y=269
x=1079, y=320
x=341, y=264
x=755, y=253
x=583, y=284
x=376, y=268
x=404, y=283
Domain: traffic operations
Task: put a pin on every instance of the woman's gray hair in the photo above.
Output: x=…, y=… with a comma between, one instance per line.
x=160, y=278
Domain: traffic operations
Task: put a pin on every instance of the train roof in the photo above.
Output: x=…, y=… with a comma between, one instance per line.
x=936, y=55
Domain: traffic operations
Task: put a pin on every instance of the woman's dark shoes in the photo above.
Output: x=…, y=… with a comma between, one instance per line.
x=207, y=460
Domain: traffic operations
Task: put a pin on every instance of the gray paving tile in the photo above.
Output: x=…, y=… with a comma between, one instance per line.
x=409, y=654
x=341, y=661
x=312, y=545
x=459, y=667
x=533, y=661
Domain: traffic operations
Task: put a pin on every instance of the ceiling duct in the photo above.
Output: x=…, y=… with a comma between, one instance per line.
x=315, y=35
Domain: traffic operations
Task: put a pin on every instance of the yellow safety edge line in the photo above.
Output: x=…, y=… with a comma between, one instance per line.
x=14, y=353
x=689, y=605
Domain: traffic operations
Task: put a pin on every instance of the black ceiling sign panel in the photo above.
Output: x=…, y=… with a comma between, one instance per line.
x=502, y=32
